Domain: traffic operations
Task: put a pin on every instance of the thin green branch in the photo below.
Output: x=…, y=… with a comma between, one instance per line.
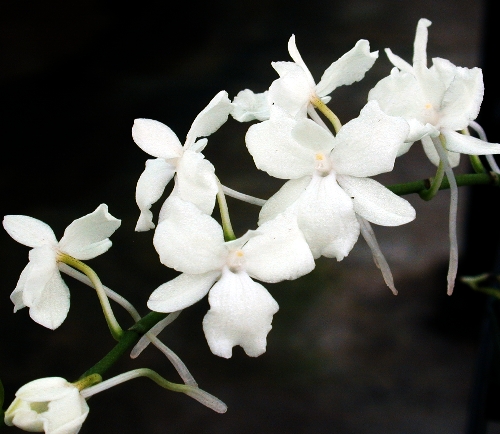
x=127, y=341
x=462, y=180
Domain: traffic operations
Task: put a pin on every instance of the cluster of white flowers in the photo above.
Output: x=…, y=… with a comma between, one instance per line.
x=328, y=200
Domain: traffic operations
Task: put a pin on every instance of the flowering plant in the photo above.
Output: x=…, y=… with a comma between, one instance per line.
x=328, y=200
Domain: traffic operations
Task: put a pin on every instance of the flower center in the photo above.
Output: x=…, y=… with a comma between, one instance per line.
x=322, y=164
x=39, y=407
x=236, y=260
x=431, y=115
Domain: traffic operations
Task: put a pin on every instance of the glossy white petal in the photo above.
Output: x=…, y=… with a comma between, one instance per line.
x=400, y=94
x=279, y=253
x=293, y=90
x=285, y=197
x=368, y=145
x=464, y=144
x=326, y=216
x=376, y=203
x=150, y=187
x=17, y=295
x=88, y=236
x=241, y=312
x=275, y=151
x=181, y=292
x=398, y=62
x=189, y=240
x=248, y=106
x=51, y=308
x=297, y=58
x=66, y=416
x=156, y=139
x=29, y=231
x=351, y=67
x=44, y=389
x=210, y=119
x=43, y=265
x=420, y=44
x=196, y=181
x=462, y=100
x=312, y=136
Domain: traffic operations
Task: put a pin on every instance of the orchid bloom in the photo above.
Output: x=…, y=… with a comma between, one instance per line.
x=195, y=180
x=241, y=310
x=328, y=183
x=40, y=286
x=439, y=100
x=51, y=405
x=436, y=102
x=296, y=88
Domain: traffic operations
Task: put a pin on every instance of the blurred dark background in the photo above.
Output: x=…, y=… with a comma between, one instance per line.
x=344, y=355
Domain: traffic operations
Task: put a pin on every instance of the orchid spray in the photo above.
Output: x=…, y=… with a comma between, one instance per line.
x=329, y=198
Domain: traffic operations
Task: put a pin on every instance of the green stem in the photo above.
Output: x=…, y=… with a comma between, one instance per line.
x=114, y=327
x=475, y=161
x=127, y=341
x=435, y=183
x=224, y=214
x=321, y=106
x=470, y=179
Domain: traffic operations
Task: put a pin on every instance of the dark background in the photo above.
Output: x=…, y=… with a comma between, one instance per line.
x=344, y=354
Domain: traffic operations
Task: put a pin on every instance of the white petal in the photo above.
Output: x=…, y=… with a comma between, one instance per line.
x=420, y=44
x=87, y=237
x=399, y=63
x=241, y=312
x=297, y=58
x=150, y=187
x=181, y=292
x=196, y=181
x=66, y=415
x=17, y=294
x=248, y=106
x=275, y=151
x=156, y=139
x=44, y=389
x=29, y=231
x=43, y=266
x=279, y=253
x=462, y=100
x=284, y=198
x=376, y=203
x=293, y=90
x=368, y=145
x=51, y=308
x=430, y=151
x=327, y=219
x=189, y=240
x=351, y=67
x=210, y=119
x=21, y=415
x=464, y=144
x=400, y=94
x=312, y=136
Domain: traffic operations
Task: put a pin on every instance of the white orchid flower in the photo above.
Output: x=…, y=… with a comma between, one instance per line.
x=329, y=182
x=40, y=286
x=51, y=405
x=442, y=99
x=241, y=310
x=195, y=180
x=296, y=87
